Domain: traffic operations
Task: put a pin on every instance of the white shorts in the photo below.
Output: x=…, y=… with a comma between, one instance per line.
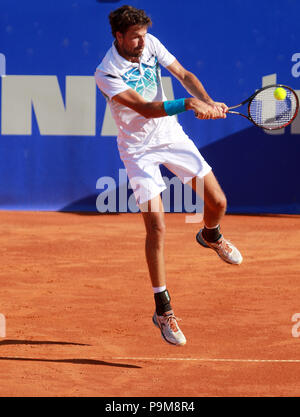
x=181, y=157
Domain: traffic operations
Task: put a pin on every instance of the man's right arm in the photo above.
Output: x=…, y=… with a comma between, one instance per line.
x=149, y=110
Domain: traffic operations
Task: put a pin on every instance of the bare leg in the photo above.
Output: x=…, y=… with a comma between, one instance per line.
x=163, y=318
x=153, y=215
x=214, y=199
x=214, y=210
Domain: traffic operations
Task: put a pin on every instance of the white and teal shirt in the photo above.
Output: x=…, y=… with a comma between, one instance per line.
x=116, y=74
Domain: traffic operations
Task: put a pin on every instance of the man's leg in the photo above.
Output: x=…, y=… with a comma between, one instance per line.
x=215, y=202
x=153, y=215
x=214, y=209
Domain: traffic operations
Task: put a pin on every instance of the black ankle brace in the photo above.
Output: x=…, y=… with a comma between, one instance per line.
x=162, y=302
x=211, y=235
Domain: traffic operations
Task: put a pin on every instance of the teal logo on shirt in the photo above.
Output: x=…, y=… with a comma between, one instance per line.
x=144, y=83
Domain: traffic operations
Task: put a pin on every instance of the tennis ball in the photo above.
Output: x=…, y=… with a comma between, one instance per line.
x=280, y=93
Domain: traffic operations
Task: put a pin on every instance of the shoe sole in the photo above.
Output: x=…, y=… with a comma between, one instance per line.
x=162, y=335
x=200, y=240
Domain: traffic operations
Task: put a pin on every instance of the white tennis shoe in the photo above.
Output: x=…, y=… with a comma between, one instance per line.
x=225, y=249
x=169, y=328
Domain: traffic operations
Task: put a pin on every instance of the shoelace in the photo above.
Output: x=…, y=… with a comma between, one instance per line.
x=172, y=322
x=225, y=244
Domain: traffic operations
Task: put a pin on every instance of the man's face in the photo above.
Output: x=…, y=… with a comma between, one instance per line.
x=132, y=42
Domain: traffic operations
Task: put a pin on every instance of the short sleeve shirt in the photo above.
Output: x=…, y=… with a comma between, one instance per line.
x=116, y=74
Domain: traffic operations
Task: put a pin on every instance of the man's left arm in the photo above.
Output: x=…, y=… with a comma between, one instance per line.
x=193, y=85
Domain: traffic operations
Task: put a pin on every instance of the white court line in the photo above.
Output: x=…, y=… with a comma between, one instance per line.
x=207, y=359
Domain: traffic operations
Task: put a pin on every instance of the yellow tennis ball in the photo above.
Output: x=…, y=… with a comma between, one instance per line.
x=280, y=93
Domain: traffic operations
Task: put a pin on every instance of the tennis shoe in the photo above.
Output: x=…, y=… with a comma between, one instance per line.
x=224, y=248
x=170, y=331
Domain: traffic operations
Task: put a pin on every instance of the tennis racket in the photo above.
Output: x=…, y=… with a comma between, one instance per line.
x=268, y=112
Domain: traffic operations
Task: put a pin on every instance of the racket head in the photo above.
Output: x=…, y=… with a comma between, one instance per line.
x=269, y=113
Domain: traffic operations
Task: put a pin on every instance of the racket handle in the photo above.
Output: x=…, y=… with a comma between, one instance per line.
x=238, y=113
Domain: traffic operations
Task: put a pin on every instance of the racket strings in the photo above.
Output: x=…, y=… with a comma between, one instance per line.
x=271, y=113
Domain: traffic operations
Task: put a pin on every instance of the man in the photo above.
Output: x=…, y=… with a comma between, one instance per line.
x=149, y=135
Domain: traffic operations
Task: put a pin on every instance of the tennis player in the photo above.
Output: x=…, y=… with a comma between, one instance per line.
x=149, y=135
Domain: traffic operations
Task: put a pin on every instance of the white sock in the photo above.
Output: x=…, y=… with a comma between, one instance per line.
x=214, y=227
x=159, y=289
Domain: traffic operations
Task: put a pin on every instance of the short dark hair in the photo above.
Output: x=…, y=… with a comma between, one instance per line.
x=124, y=17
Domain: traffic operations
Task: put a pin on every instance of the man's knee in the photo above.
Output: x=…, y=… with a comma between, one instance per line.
x=218, y=203
x=221, y=202
x=155, y=233
x=156, y=230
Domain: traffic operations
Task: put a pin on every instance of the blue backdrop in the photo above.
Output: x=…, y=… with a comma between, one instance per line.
x=234, y=47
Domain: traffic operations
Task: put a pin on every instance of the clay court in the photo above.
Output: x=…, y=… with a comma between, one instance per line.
x=78, y=304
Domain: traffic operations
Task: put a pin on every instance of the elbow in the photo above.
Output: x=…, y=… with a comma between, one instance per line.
x=188, y=76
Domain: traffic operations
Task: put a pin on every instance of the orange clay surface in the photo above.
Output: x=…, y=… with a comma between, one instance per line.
x=78, y=303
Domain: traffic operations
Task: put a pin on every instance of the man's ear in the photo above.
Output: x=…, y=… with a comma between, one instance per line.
x=119, y=37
